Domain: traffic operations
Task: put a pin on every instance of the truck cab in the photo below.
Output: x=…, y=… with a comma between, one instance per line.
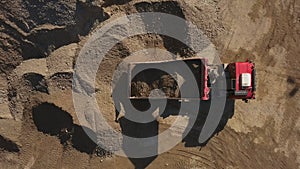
x=241, y=80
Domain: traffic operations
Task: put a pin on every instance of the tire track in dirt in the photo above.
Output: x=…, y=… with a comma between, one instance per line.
x=206, y=161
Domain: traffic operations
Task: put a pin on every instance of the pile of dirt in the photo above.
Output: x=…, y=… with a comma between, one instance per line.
x=165, y=83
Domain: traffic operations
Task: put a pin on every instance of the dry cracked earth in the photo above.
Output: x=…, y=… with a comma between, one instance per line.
x=40, y=41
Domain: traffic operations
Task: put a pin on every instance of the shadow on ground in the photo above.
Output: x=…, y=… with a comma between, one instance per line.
x=8, y=145
x=141, y=130
x=54, y=121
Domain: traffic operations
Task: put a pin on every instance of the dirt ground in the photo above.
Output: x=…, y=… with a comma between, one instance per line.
x=39, y=44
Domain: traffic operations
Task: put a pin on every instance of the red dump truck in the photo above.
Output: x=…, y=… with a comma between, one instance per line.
x=240, y=79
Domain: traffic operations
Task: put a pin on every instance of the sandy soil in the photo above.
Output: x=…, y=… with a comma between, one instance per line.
x=39, y=44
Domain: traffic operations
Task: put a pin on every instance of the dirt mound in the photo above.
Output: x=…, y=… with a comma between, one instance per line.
x=165, y=83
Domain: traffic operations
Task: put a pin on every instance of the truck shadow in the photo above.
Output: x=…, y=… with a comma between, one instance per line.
x=141, y=130
x=191, y=139
x=192, y=134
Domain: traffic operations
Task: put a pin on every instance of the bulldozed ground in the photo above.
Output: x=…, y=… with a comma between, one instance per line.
x=39, y=44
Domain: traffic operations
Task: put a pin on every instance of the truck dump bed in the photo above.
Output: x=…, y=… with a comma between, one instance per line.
x=148, y=77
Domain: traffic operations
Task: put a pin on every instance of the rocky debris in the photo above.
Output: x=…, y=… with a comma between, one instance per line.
x=62, y=13
x=100, y=152
x=61, y=80
x=35, y=35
